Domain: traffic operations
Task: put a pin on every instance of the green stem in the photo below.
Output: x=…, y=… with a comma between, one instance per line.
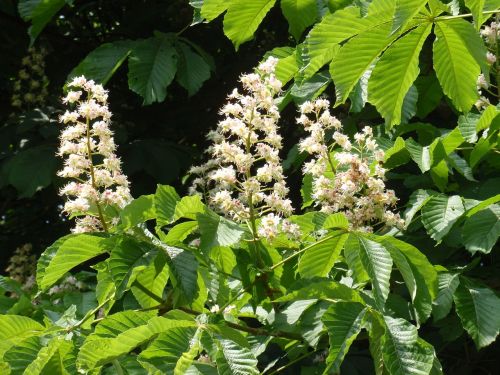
x=148, y=292
x=92, y=177
x=93, y=312
x=466, y=15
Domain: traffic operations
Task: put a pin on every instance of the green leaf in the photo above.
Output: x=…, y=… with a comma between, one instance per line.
x=14, y=329
x=218, y=231
x=447, y=284
x=152, y=65
x=320, y=289
x=165, y=202
x=417, y=200
x=481, y=230
x=233, y=359
x=396, y=155
x=439, y=174
x=310, y=88
x=165, y=354
x=440, y=213
x=120, y=333
x=66, y=253
x=478, y=308
x=211, y=9
x=243, y=17
x=377, y=262
x=154, y=278
x=192, y=69
x=179, y=233
x=476, y=7
x=336, y=220
x=103, y=62
x=31, y=170
x=300, y=14
x=395, y=73
x=127, y=258
x=287, y=65
x=138, y=211
x=405, y=11
x=348, y=65
x=343, y=322
x=429, y=94
x=319, y=259
x=189, y=207
x=487, y=117
x=467, y=126
x=404, y=352
x=39, y=12
x=456, y=68
x=482, y=205
x=420, y=155
x=418, y=273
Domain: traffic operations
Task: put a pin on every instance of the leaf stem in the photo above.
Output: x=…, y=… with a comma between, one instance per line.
x=300, y=358
x=466, y=15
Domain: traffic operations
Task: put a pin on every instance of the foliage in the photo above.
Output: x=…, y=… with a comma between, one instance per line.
x=176, y=287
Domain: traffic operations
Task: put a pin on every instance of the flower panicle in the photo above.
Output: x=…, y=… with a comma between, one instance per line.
x=244, y=178
x=30, y=88
x=347, y=175
x=90, y=159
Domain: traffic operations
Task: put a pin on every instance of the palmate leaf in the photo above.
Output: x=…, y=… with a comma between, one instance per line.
x=14, y=328
x=377, y=262
x=127, y=257
x=478, y=307
x=233, y=359
x=348, y=65
x=152, y=66
x=171, y=352
x=300, y=14
x=403, y=352
x=118, y=334
x=418, y=273
x=456, y=68
x=319, y=259
x=440, y=213
x=447, y=284
x=103, y=62
x=343, y=322
x=405, y=11
x=481, y=230
x=39, y=12
x=335, y=28
x=395, y=73
x=66, y=253
x=243, y=17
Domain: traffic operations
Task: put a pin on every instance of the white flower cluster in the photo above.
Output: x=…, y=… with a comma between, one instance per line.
x=490, y=33
x=30, y=88
x=88, y=147
x=349, y=179
x=244, y=178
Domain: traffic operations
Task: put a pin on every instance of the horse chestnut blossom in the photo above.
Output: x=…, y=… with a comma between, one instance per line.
x=349, y=179
x=244, y=178
x=30, y=89
x=99, y=187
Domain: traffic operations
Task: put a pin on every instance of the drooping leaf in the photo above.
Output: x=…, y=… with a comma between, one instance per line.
x=138, y=211
x=440, y=213
x=39, y=12
x=165, y=202
x=395, y=73
x=417, y=200
x=447, y=284
x=66, y=253
x=103, y=62
x=478, y=308
x=319, y=259
x=243, y=17
x=300, y=14
x=192, y=69
x=15, y=328
x=151, y=67
x=481, y=230
x=31, y=170
x=165, y=353
x=420, y=154
x=233, y=359
x=404, y=352
x=218, y=231
x=456, y=69
x=343, y=322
